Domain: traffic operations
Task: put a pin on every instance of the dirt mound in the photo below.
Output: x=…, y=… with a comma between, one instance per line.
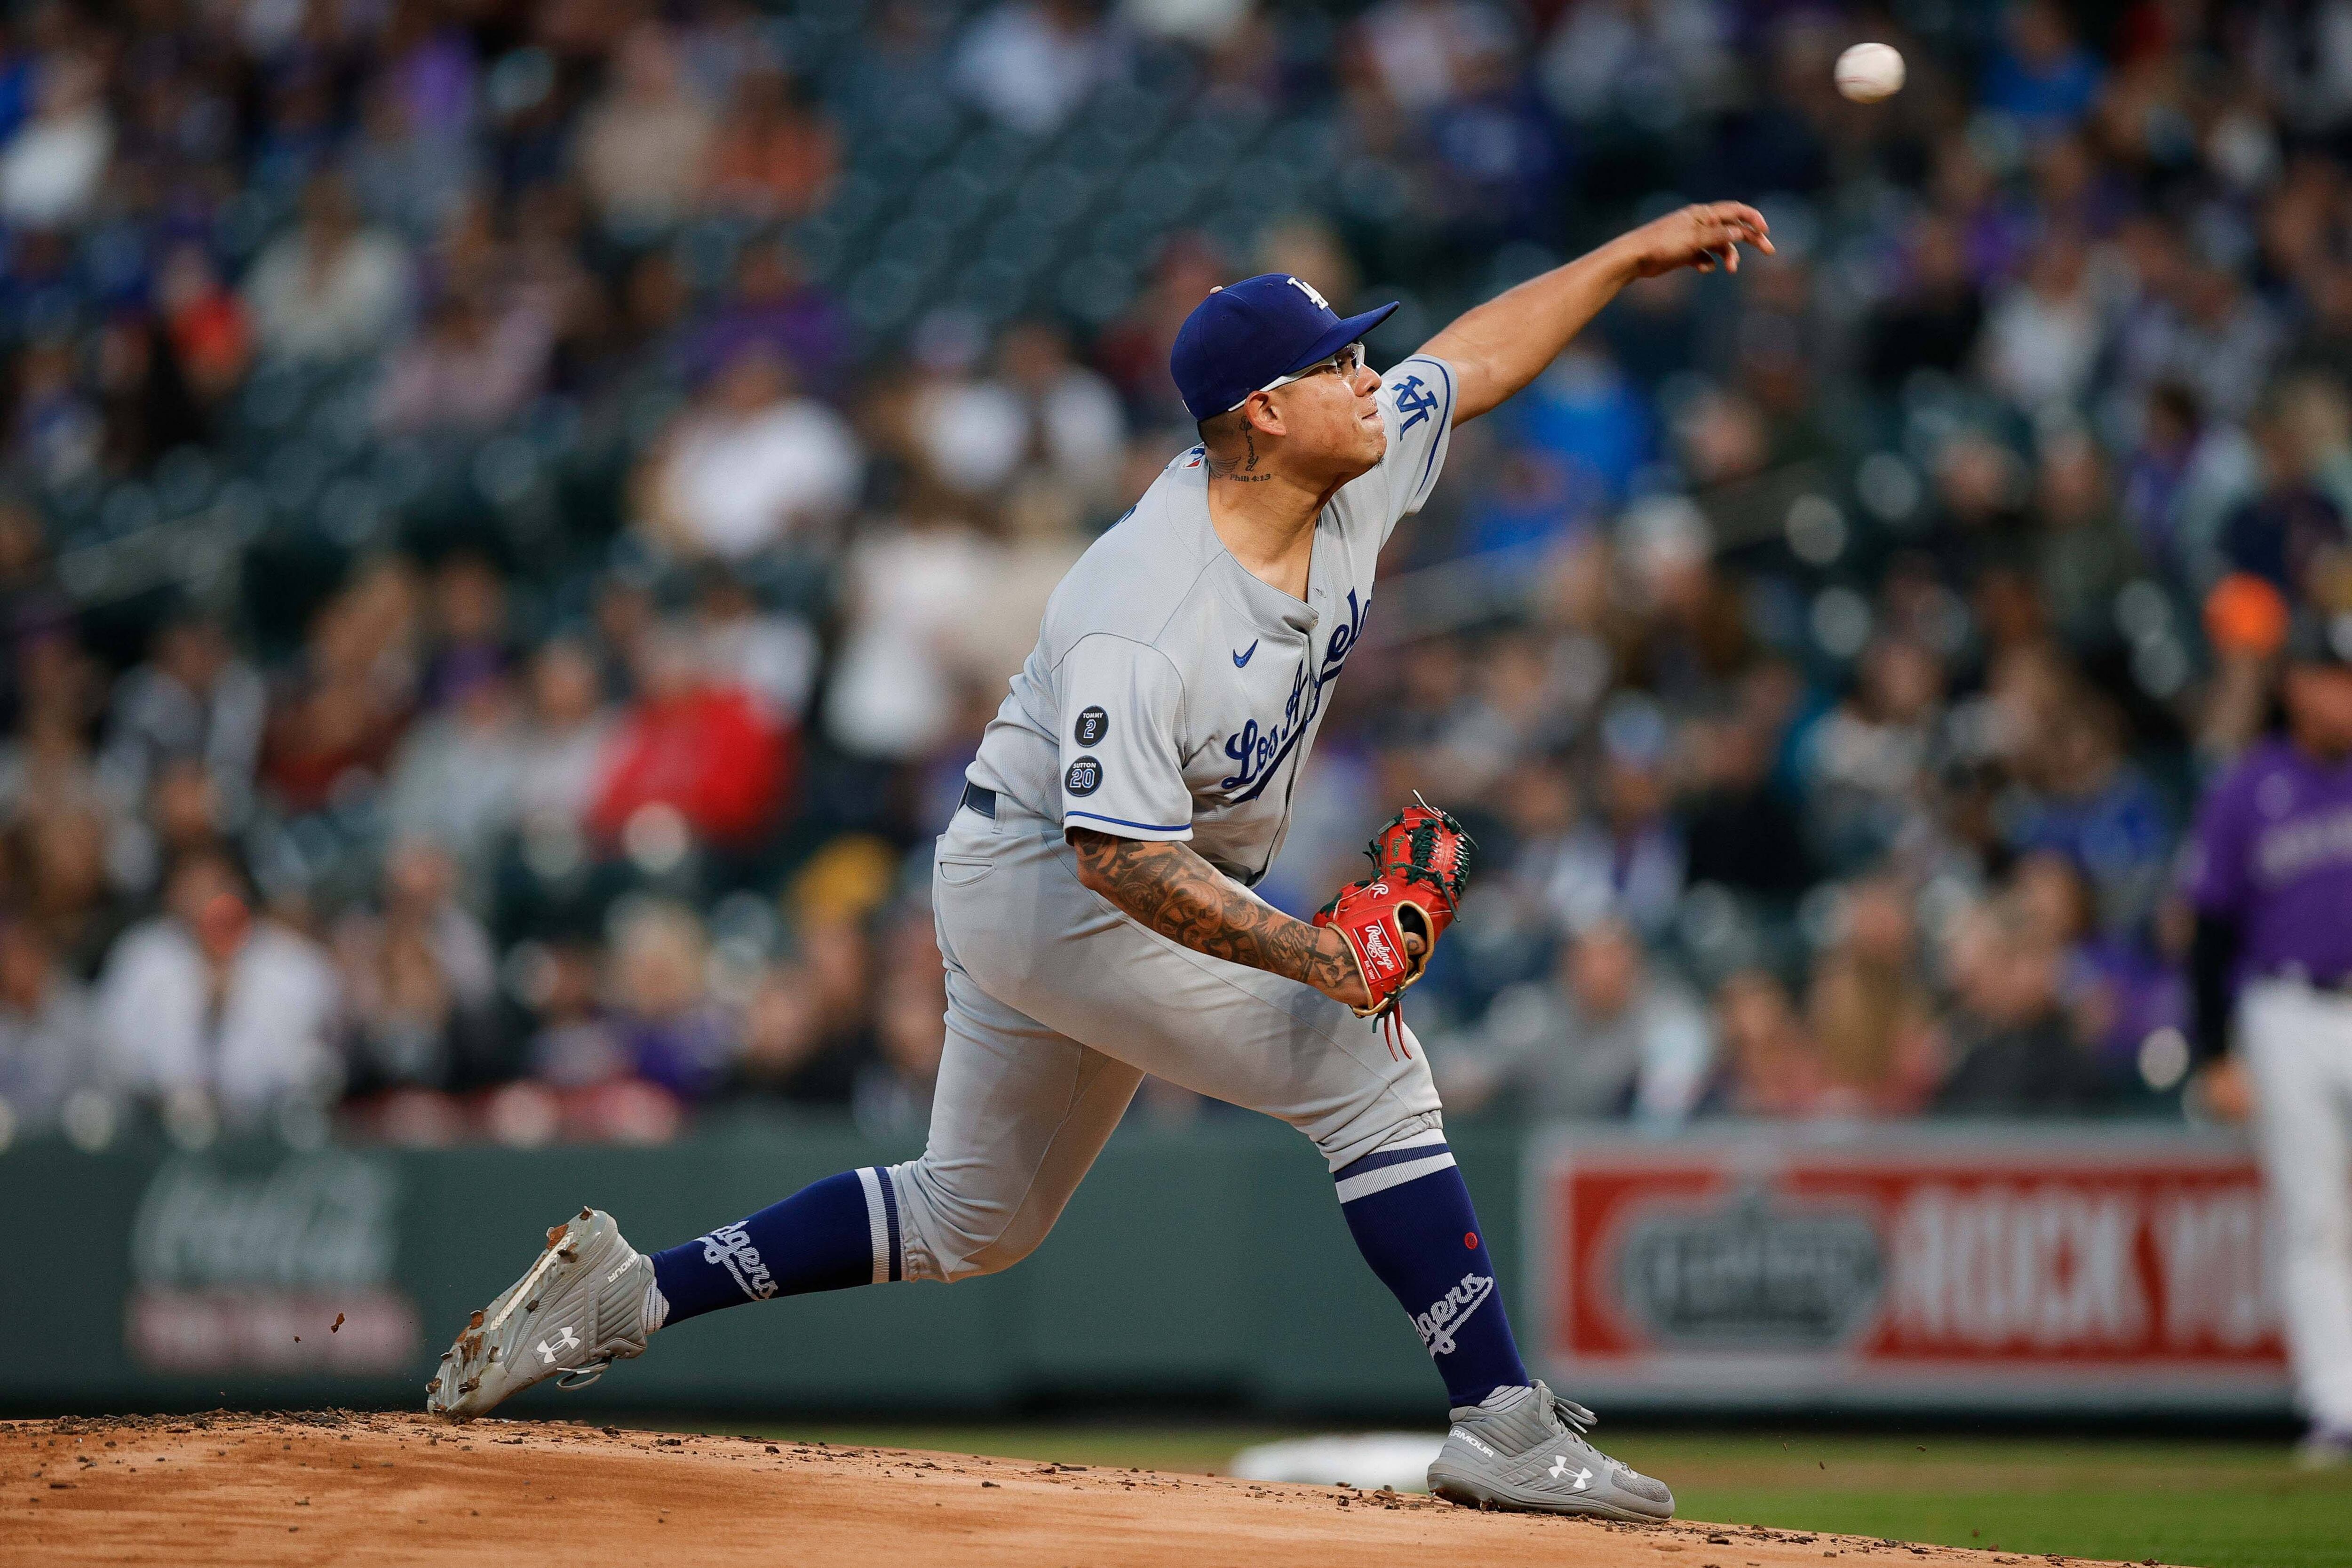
x=334, y=1487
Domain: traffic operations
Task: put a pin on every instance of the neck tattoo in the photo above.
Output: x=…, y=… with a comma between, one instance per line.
x=1225, y=468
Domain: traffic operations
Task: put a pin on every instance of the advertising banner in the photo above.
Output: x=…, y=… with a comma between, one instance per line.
x=229, y=1267
x=254, y=1273
x=1985, y=1268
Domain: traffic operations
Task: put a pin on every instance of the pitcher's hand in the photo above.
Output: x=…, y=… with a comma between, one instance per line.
x=1699, y=236
x=1339, y=979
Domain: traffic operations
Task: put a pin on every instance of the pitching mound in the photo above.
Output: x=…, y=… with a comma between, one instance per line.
x=332, y=1487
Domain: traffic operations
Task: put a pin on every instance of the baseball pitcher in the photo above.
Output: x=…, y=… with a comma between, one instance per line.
x=2271, y=874
x=1092, y=892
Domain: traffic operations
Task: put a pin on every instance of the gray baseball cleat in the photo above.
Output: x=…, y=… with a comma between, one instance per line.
x=584, y=1304
x=1524, y=1448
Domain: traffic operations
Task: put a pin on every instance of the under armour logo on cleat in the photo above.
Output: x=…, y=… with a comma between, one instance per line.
x=1560, y=1470
x=564, y=1338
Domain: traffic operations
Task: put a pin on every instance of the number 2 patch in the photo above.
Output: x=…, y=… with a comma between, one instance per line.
x=1093, y=725
x=1085, y=777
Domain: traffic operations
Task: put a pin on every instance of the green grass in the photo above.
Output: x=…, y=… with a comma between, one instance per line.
x=2211, y=1504
x=2214, y=1504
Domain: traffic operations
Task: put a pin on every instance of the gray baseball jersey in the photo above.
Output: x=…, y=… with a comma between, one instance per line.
x=1173, y=694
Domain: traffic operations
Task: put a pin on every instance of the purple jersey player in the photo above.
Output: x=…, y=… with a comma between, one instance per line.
x=2271, y=874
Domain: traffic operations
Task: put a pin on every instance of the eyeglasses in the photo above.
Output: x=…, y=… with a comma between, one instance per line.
x=1348, y=363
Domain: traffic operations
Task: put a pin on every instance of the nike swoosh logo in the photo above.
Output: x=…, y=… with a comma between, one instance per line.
x=1243, y=657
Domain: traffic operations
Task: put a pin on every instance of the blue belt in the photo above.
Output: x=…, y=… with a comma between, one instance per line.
x=982, y=801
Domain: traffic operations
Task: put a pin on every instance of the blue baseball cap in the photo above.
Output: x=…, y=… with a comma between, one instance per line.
x=1254, y=332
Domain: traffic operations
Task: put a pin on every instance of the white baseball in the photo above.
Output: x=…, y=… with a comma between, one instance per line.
x=1869, y=72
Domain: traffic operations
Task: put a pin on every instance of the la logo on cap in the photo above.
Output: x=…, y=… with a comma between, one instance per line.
x=1308, y=289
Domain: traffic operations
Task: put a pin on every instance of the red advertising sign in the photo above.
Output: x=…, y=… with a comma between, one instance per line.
x=1951, y=1268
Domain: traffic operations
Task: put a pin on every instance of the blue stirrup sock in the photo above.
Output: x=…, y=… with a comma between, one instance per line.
x=831, y=1234
x=1412, y=1219
x=1405, y=1206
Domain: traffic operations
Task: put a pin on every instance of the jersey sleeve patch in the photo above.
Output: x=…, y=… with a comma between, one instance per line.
x=1415, y=401
x=1422, y=391
x=1121, y=760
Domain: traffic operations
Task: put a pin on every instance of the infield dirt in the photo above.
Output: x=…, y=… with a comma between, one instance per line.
x=337, y=1488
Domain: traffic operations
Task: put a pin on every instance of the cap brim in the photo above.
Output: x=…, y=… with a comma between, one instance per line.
x=1350, y=329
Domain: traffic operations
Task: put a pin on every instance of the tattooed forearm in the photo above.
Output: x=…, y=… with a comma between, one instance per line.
x=1172, y=889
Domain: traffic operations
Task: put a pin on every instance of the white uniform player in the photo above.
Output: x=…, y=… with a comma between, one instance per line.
x=2271, y=878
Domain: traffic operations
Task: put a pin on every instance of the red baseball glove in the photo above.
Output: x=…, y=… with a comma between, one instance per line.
x=1421, y=861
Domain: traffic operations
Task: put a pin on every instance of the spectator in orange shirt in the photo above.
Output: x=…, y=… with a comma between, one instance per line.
x=775, y=157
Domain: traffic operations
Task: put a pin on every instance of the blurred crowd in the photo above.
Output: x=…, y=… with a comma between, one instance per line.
x=1826, y=658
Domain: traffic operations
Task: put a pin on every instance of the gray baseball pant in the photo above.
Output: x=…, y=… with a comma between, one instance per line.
x=1058, y=1004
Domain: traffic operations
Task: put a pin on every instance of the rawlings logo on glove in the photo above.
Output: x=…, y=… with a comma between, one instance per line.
x=1392, y=919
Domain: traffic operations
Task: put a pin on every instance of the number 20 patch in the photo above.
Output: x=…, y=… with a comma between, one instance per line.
x=1085, y=777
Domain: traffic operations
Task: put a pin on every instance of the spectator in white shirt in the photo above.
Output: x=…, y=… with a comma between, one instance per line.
x=51, y=169
x=1029, y=65
x=1422, y=50
x=770, y=655
x=752, y=463
x=644, y=145
x=331, y=290
x=2045, y=334
x=1042, y=412
x=894, y=692
x=209, y=997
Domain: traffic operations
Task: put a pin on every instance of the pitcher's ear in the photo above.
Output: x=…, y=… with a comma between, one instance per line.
x=1264, y=415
